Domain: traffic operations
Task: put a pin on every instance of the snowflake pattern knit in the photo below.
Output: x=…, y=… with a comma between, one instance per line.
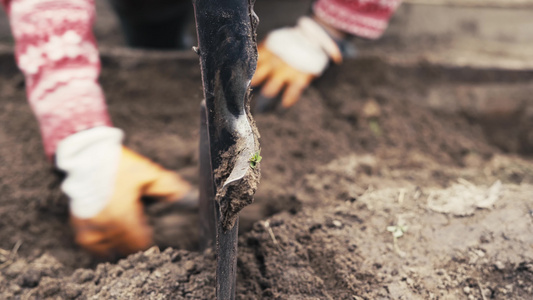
x=56, y=51
x=363, y=18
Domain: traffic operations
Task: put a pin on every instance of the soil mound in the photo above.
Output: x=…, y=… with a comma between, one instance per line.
x=360, y=153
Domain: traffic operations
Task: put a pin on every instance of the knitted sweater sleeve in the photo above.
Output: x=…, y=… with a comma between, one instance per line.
x=56, y=50
x=363, y=18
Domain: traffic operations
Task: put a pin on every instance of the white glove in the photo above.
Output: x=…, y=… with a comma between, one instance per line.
x=105, y=183
x=306, y=47
x=90, y=158
x=290, y=58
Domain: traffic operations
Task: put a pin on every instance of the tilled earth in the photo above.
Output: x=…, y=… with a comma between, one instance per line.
x=370, y=149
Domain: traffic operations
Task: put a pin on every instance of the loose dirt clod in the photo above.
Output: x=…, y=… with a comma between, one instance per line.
x=464, y=199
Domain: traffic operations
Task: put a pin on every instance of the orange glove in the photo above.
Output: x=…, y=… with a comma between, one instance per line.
x=105, y=182
x=290, y=58
x=121, y=227
x=276, y=75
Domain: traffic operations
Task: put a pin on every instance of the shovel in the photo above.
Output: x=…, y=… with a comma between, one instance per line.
x=228, y=177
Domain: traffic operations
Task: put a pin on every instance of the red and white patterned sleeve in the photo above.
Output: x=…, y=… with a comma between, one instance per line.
x=56, y=51
x=363, y=18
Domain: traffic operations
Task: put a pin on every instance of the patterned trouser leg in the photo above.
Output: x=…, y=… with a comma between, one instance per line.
x=156, y=24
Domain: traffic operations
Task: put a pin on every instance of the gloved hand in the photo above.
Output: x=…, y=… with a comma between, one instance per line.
x=291, y=58
x=105, y=182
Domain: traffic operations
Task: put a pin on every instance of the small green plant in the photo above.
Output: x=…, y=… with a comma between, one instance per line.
x=397, y=232
x=255, y=159
x=375, y=127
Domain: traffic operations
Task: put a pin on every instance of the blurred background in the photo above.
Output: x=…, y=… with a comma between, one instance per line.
x=495, y=36
x=484, y=33
x=490, y=41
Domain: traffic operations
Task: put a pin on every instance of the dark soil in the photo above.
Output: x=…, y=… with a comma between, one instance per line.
x=363, y=150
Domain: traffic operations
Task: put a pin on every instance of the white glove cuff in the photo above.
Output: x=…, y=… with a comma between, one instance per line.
x=316, y=32
x=90, y=158
x=306, y=47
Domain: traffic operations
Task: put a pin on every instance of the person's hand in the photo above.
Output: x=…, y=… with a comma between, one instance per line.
x=290, y=58
x=121, y=227
x=106, y=210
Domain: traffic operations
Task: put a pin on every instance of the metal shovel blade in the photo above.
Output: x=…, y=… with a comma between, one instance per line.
x=228, y=57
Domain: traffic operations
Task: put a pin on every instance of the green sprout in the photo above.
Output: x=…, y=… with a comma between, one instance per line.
x=255, y=159
x=374, y=127
x=397, y=232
